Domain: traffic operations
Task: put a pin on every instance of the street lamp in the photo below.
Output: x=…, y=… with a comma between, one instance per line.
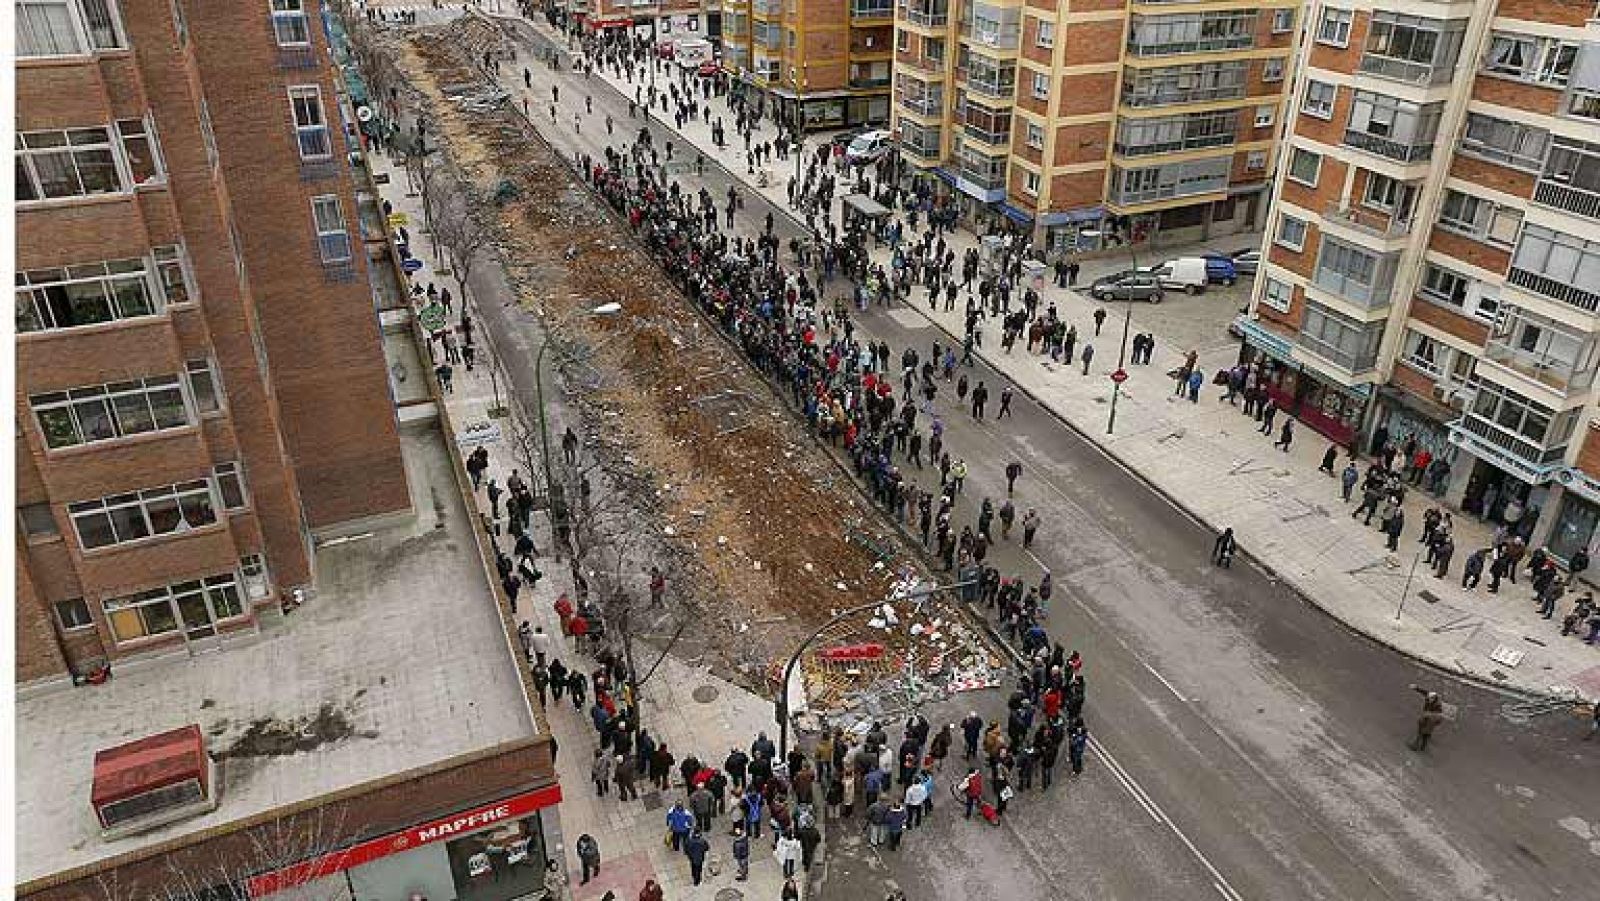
x=799, y=120
x=606, y=309
x=780, y=704
x=1127, y=322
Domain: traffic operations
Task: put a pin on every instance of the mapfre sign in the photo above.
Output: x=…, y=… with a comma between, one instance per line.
x=438, y=830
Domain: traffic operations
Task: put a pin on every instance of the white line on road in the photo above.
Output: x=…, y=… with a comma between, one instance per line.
x=1164, y=681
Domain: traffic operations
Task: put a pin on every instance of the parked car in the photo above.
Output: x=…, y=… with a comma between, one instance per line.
x=1220, y=268
x=1131, y=284
x=1247, y=261
x=868, y=147
x=1188, y=274
x=844, y=138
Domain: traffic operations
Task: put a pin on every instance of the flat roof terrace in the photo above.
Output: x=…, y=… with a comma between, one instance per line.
x=399, y=662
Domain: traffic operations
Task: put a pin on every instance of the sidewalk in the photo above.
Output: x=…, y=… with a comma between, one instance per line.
x=1286, y=514
x=686, y=707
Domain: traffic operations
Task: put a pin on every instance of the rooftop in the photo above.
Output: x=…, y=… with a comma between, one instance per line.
x=398, y=662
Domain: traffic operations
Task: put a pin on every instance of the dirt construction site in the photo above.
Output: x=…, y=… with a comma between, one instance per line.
x=768, y=534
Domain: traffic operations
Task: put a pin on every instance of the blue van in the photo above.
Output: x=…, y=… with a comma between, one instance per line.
x=1220, y=269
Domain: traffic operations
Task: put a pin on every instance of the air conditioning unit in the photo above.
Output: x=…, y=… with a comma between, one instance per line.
x=154, y=781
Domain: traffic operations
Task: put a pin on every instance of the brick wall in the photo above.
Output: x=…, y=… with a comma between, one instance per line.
x=1302, y=262
x=1085, y=143
x=1450, y=322
x=1516, y=95
x=1467, y=250
x=1094, y=41
x=1589, y=454
x=1083, y=94
x=1493, y=175
x=1077, y=189
x=1573, y=13
x=38, y=654
x=1339, y=59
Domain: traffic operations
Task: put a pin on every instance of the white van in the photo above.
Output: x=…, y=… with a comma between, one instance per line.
x=1187, y=274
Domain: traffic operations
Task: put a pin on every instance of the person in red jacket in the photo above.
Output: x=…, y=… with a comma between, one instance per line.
x=972, y=789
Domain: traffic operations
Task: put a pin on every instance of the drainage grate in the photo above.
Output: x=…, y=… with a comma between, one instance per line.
x=705, y=694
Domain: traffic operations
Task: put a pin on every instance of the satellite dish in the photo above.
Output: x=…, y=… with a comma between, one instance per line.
x=364, y=113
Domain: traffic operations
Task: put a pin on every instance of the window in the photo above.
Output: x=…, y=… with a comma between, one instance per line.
x=73, y=614
x=1272, y=69
x=1046, y=35
x=1424, y=353
x=1382, y=192
x=1282, y=21
x=1519, y=146
x=1479, y=218
x=1304, y=166
x=179, y=23
x=137, y=515
x=1264, y=116
x=1334, y=29
x=67, y=27
x=1519, y=415
x=194, y=607
x=1558, y=256
x=1191, y=32
x=1035, y=136
x=203, y=386
x=1255, y=160
x=902, y=41
x=1184, y=84
x=1392, y=128
x=1345, y=341
x=108, y=412
x=78, y=162
x=1041, y=86
x=1291, y=232
x=1030, y=183
x=1168, y=133
x=139, y=147
x=1412, y=49
x=1277, y=295
x=1351, y=272
x=310, y=127
x=1538, y=60
x=208, y=136
x=289, y=23
x=1319, y=99
x=333, y=242
x=172, y=273
x=1451, y=289
x=38, y=521
x=230, y=485
x=88, y=294
x=257, y=582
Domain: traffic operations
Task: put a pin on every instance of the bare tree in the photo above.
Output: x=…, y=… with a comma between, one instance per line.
x=463, y=229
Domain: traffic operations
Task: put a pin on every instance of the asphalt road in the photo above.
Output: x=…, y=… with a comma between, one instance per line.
x=1246, y=746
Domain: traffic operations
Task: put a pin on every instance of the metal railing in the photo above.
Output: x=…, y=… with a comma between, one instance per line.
x=1207, y=45
x=984, y=178
x=1571, y=295
x=979, y=133
x=927, y=18
x=1139, y=100
x=1169, y=191
x=1374, y=222
x=922, y=105
x=1548, y=370
x=871, y=9
x=1197, y=143
x=1514, y=444
x=1344, y=359
x=1384, y=147
x=1566, y=197
x=999, y=88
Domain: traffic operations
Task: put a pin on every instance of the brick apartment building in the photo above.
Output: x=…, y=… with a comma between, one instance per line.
x=1140, y=119
x=201, y=387
x=831, y=57
x=1432, y=268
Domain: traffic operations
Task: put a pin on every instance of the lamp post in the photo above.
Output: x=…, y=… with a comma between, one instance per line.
x=606, y=309
x=780, y=704
x=799, y=122
x=1122, y=354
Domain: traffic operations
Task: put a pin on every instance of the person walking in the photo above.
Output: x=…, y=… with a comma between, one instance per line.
x=1329, y=457
x=1222, y=551
x=787, y=853
x=1088, y=354
x=589, y=856
x=1005, y=403
x=1030, y=527
x=1348, y=479
x=627, y=770
x=1429, y=719
x=601, y=771
x=895, y=824
x=1099, y=320
x=971, y=789
x=1077, y=742
x=1013, y=472
x=1393, y=526
x=741, y=853
x=679, y=824
x=971, y=731
x=1285, y=436
x=695, y=847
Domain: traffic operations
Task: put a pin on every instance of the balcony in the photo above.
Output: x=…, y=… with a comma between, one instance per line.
x=1007, y=39
x=1168, y=191
x=1551, y=370
x=930, y=17
x=1198, y=142
x=987, y=136
x=869, y=81
x=1376, y=223
x=1534, y=458
x=987, y=177
x=766, y=7
x=1564, y=197
x=871, y=9
x=1571, y=295
x=990, y=83
x=1388, y=148
x=926, y=105
x=928, y=64
x=1404, y=70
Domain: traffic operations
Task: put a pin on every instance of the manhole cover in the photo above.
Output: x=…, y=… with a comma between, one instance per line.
x=730, y=894
x=705, y=694
x=651, y=801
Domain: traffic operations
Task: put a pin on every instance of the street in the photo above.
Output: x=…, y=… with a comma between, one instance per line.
x=1245, y=743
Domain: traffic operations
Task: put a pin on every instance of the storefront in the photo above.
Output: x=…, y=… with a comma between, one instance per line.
x=1333, y=410
x=496, y=852
x=1065, y=231
x=1577, y=514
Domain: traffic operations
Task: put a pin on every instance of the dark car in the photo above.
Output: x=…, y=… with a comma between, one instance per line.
x=843, y=138
x=1127, y=285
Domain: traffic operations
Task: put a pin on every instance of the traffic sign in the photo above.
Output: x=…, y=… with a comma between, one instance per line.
x=1120, y=376
x=411, y=264
x=432, y=316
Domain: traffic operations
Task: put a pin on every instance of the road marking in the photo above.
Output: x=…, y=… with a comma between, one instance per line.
x=1164, y=681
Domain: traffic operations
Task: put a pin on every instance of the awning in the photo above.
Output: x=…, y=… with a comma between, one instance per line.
x=1019, y=216
x=945, y=174
x=1264, y=339
x=1423, y=406
x=1082, y=214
